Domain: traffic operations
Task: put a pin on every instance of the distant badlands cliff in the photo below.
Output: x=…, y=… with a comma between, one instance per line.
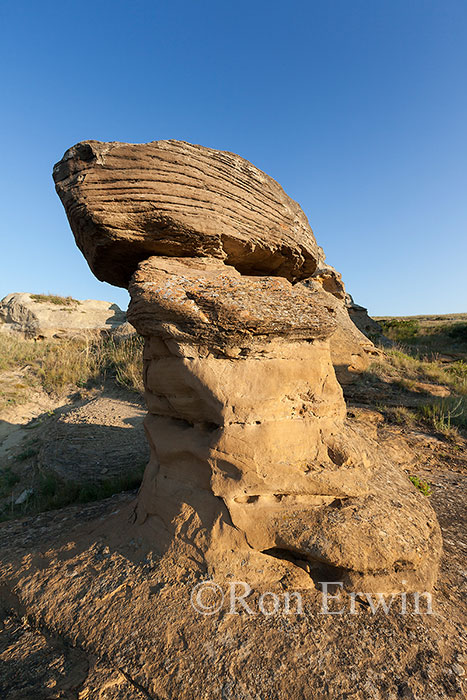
x=45, y=316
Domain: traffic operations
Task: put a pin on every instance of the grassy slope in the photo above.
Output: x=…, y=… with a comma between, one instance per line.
x=436, y=337
x=59, y=366
x=426, y=369
x=65, y=370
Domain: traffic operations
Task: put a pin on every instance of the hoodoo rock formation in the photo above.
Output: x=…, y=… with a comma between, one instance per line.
x=351, y=348
x=254, y=471
x=126, y=202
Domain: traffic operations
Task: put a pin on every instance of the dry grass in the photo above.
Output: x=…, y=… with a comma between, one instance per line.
x=126, y=361
x=428, y=335
x=444, y=416
x=402, y=415
x=55, y=299
x=407, y=370
x=58, y=366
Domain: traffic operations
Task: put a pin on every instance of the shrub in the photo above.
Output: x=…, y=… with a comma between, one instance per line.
x=458, y=331
x=400, y=329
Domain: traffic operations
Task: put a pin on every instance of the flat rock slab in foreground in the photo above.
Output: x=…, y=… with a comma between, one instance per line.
x=88, y=612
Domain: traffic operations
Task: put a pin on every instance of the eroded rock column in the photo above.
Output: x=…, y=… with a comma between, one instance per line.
x=251, y=458
x=254, y=471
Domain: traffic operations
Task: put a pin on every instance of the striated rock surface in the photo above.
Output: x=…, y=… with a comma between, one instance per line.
x=351, y=349
x=249, y=443
x=99, y=440
x=202, y=299
x=45, y=316
x=254, y=471
x=126, y=202
x=359, y=316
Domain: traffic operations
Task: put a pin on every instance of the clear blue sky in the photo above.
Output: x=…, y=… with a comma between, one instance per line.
x=357, y=107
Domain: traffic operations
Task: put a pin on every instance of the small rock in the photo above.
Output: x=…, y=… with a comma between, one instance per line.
x=23, y=497
x=458, y=670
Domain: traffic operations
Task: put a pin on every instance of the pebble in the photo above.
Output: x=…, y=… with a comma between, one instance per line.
x=458, y=670
x=23, y=497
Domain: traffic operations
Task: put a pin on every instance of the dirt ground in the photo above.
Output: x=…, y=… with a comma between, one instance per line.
x=87, y=437
x=89, y=610
x=85, y=617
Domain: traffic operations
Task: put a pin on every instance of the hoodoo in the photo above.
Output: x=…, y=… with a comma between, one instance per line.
x=254, y=470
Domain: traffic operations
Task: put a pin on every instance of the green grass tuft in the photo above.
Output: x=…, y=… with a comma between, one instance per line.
x=401, y=415
x=445, y=415
x=423, y=486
